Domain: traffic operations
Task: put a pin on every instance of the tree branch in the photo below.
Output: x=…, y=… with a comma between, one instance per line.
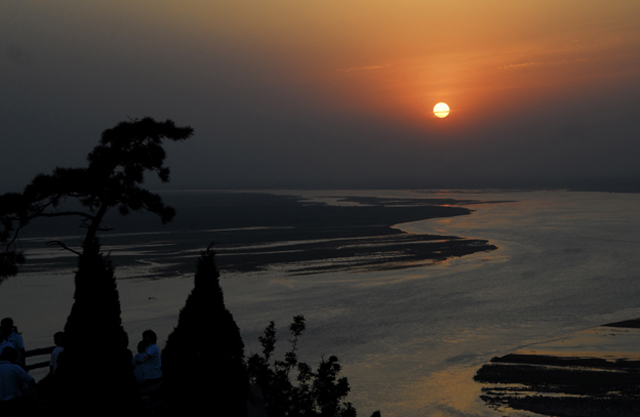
x=64, y=213
x=62, y=245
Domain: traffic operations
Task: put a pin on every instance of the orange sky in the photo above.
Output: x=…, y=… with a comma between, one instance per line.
x=402, y=56
x=490, y=60
x=284, y=77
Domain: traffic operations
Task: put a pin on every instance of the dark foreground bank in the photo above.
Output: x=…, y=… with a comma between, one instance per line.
x=594, y=373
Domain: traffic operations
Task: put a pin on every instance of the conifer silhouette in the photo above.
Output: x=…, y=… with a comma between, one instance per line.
x=95, y=372
x=203, y=359
x=95, y=375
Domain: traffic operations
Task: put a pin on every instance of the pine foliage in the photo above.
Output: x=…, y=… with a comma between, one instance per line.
x=113, y=179
x=95, y=372
x=203, y=359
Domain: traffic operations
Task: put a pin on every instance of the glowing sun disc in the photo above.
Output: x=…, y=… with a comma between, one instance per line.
x=441, y=110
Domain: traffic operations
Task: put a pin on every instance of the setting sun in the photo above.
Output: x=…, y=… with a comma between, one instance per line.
x=441, y=110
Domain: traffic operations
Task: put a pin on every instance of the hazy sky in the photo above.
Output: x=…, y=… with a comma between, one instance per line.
x=329, y=93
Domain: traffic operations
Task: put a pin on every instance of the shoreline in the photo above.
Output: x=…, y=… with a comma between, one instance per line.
x=256, y=231
x=591, y=373
x=410, y=340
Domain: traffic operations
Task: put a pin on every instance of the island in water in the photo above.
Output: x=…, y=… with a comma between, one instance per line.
x=591, y=373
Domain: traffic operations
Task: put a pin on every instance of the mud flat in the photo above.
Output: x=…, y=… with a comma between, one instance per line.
x=595, y=372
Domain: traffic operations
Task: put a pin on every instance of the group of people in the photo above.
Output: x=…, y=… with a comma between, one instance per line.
x=15, y=380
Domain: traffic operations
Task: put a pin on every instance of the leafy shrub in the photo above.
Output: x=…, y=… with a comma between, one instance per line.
x=292, y=388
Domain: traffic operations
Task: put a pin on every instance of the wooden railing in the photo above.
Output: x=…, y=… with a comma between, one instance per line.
x=38, y=352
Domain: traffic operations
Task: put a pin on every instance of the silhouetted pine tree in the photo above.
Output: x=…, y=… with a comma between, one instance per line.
x=113, y=179
x=95, y=373
x=203, y=359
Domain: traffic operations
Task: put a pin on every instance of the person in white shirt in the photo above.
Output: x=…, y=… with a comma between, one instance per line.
x=11, y=334
x=150, y=359
x=14, y=381
x=58, y=339
x=4, y=343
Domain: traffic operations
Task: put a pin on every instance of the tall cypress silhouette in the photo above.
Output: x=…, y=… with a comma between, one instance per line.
x=203, y=359
x=95, y=373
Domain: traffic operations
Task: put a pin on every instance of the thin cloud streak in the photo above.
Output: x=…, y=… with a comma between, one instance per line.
x=517, y=66
x=288, y=94
x=366, y=68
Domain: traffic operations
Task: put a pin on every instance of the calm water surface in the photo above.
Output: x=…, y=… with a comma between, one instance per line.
x=411, y=339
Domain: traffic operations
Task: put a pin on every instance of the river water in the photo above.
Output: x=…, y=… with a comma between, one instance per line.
x=410, y=340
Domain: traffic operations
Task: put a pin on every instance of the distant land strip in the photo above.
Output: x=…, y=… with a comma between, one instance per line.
x=358, y=237
x=253, y=232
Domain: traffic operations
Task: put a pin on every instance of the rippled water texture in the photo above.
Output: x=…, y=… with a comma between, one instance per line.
x=411, y=339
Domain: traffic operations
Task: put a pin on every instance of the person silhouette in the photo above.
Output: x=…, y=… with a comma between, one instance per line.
x=58, y=339
x=11, y=334
x=14, y=382
x=4, y=343
x=150, y=359
x=138, y=364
